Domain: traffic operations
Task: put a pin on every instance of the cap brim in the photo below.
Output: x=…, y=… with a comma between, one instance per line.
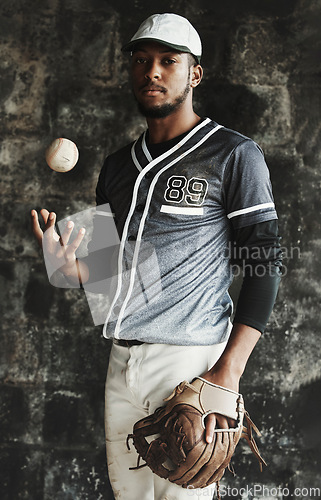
x=128, y=47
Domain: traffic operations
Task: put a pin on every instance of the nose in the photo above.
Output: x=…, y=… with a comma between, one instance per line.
x=153, y=71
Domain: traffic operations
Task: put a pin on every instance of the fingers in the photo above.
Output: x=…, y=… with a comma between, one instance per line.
x=216, y=421
x=44, y=214
x=65, y=237
x=79, y=238
x=75, y=244
x=51, y=236
x=36, y=229
x=231, y=423
x=50, y=221
x=70, y=250
x=49, y=218
x=67, y=232
x=210, y=423
x=222, y=422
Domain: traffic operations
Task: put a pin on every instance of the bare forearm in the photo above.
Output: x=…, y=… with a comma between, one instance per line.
x=231, y=365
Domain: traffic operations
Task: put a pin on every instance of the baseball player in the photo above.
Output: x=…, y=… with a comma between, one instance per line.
x=196, y=196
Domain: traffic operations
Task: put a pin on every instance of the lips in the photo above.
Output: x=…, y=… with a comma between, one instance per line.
x=152, y=89
x=152, y=93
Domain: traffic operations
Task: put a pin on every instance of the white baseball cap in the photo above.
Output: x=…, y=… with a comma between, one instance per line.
x=169, y=29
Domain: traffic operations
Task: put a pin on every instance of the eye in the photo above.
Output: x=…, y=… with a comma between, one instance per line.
x=169, y=61
x=140, y=60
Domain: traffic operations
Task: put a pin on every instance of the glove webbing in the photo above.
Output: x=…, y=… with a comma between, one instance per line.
x=153, y=443
x=180, y=438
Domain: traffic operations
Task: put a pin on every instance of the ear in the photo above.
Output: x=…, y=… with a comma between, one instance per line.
x=196, y=75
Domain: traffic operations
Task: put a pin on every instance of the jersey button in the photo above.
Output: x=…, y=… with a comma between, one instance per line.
x=131, y=237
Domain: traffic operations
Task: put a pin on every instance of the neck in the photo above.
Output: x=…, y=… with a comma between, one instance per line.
x=165, y=129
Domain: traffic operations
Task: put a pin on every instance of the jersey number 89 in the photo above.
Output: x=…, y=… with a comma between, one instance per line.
x=193, y=191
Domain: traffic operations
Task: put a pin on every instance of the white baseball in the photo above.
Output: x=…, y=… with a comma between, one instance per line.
x=62, y=155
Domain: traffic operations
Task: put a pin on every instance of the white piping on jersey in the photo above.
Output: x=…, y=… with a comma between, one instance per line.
x=105, y=214
x=134, y=157
x=142, y=223
x=250, y=209
x=133, y=204
x=169, y=209
x=154, y=161
x=144, y=215
x=145, y=148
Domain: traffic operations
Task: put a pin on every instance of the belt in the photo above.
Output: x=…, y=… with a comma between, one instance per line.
x=127, y=343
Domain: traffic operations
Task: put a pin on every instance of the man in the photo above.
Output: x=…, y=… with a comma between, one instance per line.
x=192, y=191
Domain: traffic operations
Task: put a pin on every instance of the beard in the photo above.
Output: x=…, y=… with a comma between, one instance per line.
x=164, y=110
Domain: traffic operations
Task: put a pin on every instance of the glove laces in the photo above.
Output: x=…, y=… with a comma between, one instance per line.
x=248, y=435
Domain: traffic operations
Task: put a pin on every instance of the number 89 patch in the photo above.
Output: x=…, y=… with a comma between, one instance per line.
x=193, y=192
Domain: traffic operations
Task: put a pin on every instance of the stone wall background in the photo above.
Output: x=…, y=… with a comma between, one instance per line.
x=62, y=75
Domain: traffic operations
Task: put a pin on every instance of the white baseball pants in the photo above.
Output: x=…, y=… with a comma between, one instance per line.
x=138, y=379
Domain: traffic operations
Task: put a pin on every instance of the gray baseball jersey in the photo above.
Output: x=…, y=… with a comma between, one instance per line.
x=175, y=216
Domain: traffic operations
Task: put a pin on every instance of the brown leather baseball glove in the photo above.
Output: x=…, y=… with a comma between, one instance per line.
x=179, y=452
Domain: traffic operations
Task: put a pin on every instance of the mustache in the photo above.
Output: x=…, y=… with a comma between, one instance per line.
x=148, y=86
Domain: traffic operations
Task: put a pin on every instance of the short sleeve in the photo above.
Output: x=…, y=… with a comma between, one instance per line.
x=101, y=197
x=247, y=189
x=104, y=242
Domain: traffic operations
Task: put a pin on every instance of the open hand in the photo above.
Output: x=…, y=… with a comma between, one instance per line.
x=57, y=249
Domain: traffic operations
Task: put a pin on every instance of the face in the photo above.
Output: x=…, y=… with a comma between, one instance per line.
x=161, y=78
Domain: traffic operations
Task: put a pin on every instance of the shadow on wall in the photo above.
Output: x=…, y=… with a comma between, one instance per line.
x=232, y=105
